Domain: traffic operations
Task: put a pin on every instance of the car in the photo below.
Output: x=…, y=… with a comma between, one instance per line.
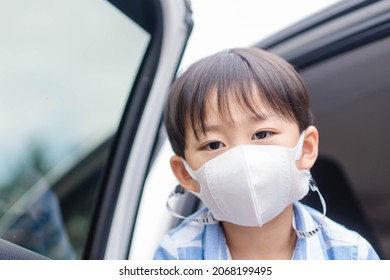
x=85, y=173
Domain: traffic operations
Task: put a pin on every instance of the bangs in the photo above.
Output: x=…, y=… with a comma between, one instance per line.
x=223, y=101
x=233, y=82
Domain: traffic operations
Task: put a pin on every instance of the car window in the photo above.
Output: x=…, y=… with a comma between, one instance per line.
x=66, y=70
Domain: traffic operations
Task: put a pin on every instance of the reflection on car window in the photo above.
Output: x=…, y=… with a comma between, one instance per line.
x=66, y=71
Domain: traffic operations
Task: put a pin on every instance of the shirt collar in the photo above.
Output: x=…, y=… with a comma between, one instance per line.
x=311, y=248
x=215, y=247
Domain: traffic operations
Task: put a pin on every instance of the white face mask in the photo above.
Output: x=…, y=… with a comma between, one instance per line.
x=250, y=185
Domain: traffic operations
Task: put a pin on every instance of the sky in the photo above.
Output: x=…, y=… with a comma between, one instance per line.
x=220, y=24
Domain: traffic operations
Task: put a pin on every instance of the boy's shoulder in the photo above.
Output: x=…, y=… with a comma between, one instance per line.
x=336, y=240
x=188, y=230
x=186, y=241
x=330, y=229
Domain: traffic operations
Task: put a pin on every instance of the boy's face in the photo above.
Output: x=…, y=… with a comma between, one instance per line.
x=223, y=134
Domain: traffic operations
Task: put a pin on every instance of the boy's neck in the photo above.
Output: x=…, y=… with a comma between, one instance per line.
x=275, y=240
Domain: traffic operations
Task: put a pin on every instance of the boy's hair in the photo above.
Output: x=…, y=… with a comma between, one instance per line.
x=242, y=76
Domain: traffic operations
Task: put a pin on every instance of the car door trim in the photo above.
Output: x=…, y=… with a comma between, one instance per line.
x=175, y=36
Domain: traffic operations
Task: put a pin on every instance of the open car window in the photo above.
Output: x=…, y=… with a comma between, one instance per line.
x=66, y=73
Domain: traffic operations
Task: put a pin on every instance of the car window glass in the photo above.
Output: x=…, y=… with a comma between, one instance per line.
x=66, y=70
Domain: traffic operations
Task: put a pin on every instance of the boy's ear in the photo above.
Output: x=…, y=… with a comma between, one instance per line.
x=184, y=178
x=309, y=149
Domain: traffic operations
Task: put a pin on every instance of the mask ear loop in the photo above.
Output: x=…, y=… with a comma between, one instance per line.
x=179, y=191
x=314, y=188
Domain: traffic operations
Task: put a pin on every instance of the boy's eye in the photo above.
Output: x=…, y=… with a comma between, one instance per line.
x=261, y=135
x=213, y=146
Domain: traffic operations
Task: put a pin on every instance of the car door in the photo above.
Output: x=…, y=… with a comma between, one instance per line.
x=82, y=90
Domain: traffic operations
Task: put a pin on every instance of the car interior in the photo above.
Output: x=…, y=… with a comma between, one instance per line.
x=349, y=98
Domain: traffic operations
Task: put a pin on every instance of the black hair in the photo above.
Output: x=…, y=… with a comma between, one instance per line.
x=242, y=76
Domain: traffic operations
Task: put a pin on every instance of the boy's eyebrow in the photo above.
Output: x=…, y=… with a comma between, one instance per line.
x=215, y=127
x=206, y=129
x=261, y=117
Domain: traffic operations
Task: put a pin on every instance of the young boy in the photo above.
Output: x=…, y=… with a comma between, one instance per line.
x=240, y=126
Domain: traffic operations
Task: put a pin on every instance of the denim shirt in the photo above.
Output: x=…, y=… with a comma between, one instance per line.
x=195, y=241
